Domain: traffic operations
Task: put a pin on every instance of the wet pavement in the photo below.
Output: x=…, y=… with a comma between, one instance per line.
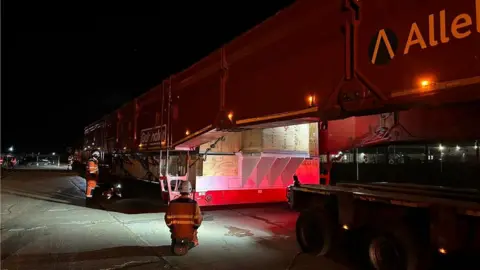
x=46, y=225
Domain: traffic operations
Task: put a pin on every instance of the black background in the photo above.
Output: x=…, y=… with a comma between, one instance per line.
x=66, y=64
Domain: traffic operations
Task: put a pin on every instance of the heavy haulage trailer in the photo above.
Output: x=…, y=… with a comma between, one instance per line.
x=372, y=105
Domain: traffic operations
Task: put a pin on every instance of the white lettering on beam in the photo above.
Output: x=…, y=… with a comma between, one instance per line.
x=152, y=136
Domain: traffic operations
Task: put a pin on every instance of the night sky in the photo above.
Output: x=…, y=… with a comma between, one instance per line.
x=66, y=65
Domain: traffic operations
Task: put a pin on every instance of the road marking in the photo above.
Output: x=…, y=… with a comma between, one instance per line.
x=29, y=229
x=58, y=210
x=16, y=230
x=37, y=228
x=132, y=264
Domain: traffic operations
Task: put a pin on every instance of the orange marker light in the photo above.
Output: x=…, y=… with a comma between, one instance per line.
x=311, y=100
x=425, y=83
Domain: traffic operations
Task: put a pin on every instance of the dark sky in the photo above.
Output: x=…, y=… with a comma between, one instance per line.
x=66, y=65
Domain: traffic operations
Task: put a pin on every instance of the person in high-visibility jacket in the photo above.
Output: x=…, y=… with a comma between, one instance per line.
x=183, y=215
x=92, y=174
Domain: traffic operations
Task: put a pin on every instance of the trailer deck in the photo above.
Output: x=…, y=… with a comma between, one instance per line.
x=466, y=202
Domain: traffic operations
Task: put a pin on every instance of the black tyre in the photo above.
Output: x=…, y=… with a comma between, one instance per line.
x=394, y=249
x=180, y=249
x=315, y=232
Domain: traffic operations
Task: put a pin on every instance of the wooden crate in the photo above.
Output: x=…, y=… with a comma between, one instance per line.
x=252, y=140
x=285, y=139
x=296, y=138
x=313, y=139
x=290, y=139
x=220, y=166
x=231, y=144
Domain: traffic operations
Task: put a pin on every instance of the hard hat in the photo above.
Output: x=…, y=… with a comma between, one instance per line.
x=95, y=154
x=185, y=187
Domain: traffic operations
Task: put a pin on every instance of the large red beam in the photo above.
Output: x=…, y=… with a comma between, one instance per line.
x=195, y=95
x=274, y=68
x=418, y=51
x=352, y=57
x=432, y=125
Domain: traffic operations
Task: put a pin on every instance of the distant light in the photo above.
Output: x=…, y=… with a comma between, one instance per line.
x=440, y=147
x=187, y=132
x=11, y=148
x=345, y=227
x=53, y=154
x=457, y=148
x=425, y=83
x=311, y=100
x=125, y=148
x=442, y=251
x=230, y=116
x=140, y=145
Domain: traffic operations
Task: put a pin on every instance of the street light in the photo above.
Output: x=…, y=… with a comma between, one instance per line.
x=53, y=154
x=10, y=149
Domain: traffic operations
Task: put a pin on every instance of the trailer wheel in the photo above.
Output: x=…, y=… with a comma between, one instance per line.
x=394, y=249
x=315, y=232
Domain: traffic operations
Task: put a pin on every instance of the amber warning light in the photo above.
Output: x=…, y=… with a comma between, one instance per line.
x=425, y=83
x=311, y=100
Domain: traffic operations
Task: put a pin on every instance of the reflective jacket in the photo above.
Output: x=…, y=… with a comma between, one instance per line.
x=183, y=217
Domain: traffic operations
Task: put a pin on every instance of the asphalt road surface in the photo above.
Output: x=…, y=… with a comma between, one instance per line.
x=45, y=225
